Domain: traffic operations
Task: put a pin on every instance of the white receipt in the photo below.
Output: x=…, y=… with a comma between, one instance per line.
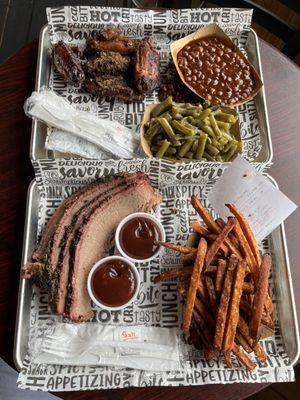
x=264, y=206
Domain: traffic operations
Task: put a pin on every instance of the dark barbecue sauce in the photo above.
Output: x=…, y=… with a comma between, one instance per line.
x=138, y=238
x=114, y=283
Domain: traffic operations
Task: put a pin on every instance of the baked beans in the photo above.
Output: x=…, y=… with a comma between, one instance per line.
x=216, y=71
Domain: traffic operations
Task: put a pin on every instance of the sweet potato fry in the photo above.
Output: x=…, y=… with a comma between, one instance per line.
x=231, y=235
x=179, y=248
x=174, y=273
x=211, y=270
x=239, y=338
x=211, y=294
x=224, y=301
x=248, y=287
x=201, y=253
x=233, y=311
x=208, y=235
x=247, y=231
x=195, y=336
x=246, y=250
x=244, y=330
x=260, y=296
x=205, y=215
x=189, y=256
x=200, y=307
x=211, y=224
x=201, y=290
x=221, y=268
x=259, y=352
x=223, y=248
x=246, y=307
x=243, y=358
x=253, y=245
x=219, y=240
x=203, y=327
x=211, y=354
x=228, y=358
x=200, y=229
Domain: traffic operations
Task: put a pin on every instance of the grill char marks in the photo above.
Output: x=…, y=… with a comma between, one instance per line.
x=79, y=233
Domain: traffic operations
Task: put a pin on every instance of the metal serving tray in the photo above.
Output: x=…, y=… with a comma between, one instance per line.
x=282, y=281
x=39, y=130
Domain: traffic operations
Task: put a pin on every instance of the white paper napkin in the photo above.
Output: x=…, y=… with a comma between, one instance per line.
x=264, y=206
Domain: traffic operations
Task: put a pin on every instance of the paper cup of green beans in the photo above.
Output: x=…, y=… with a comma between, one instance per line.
x=183, y=132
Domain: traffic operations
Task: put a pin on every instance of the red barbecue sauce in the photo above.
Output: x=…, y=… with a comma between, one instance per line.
x=114, y=283
x=138, y=238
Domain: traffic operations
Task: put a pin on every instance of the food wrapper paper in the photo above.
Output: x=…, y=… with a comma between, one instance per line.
x=74, y=24
x=157, y=304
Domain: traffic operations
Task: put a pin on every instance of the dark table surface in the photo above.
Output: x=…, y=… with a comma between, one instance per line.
x=282, y=84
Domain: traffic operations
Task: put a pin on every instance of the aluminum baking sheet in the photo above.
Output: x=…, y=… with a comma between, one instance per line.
x=39, y=130
x=281, y=276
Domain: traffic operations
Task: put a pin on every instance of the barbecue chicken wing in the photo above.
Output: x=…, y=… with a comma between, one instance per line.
x=112, y=86
x=146, y=68
x=67, y=63
x=107, y=63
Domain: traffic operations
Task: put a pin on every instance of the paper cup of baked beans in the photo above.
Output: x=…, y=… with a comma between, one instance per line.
x=210, y=64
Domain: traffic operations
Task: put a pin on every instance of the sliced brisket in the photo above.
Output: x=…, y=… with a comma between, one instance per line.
x=78, y=219
x=94, y=238
x=79, y=233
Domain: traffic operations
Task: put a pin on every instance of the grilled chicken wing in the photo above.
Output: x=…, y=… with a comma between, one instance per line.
x=67, y=63
x=112, y=86
x=109, y=34
x=107, y=63
x=120, y=45
x=146, y=68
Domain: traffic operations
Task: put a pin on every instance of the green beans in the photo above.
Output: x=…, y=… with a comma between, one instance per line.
x=212, y=150
x=162, y=107
x=181, y=132
x=167, y=128
x=152, y=131
x=170, y=151
x=164, y=147
x=180, y=127
x=230, y=153
x=201, y=146
x=185, y=147
x=224, y=125
x=205, y=113
x=214, y=125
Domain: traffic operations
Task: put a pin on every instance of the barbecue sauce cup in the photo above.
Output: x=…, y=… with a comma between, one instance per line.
x=113, y=283
x=137, y=237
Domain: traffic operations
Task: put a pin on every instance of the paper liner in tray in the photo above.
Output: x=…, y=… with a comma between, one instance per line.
x=146, y=117
x=213, y=30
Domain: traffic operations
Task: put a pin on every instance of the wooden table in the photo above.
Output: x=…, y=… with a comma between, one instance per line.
x=282, y=84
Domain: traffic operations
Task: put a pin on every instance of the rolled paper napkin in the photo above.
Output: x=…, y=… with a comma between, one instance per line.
x=67, y=142
x=110, y=137
x=136, y=346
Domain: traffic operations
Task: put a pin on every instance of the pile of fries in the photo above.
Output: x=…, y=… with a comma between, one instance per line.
x=224, y=281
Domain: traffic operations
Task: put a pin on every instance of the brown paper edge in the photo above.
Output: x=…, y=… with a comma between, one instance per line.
x=213, y=30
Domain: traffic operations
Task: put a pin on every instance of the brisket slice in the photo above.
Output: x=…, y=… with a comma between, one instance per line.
x=93, y=239
x=60, y=278
x=43, y=272
x=50, y=227
x=65, y=224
